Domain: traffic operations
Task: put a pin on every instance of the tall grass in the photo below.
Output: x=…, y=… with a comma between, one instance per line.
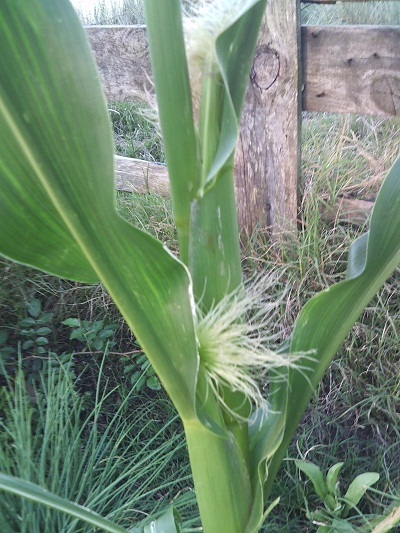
x=131, y=12
x=106, y=12
x=134, y=135
x=119, y=462
x=387, y=13
x=124, y=12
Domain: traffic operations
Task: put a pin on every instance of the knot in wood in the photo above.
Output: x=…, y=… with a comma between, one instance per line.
x=385, y=93
x=266, y=67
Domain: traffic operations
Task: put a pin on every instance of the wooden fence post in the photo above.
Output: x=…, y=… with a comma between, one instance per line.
x=268, y=153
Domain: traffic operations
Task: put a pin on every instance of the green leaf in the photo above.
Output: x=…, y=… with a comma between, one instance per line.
x=358, y=488
x=234, y=50
x=29, y=321
x=153, y=383
x=78, y=333
x=315, y=474
x=341, y=526
x=129, y=368
x=332, y=504
x=168, y=522
x=43, y=331
x=97, y=344
x=34, y=307
x=57, y=209
x=40, y=350
x=33, y=123
x=72, y=322
x=106, y=333
x=266, y=430
x=44, y=318
x=331, y=478
x=41, y=341
x=27, y=344
x=170, y=72
x=214, y=253
x=37, y=494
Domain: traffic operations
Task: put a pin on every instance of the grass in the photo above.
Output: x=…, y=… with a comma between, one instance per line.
x=119, y=13
x=387, y=13
x=354, y=418
x=99, y=453
x=134, y=135
x=108, y=12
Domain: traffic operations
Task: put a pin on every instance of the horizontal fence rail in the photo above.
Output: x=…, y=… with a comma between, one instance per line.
x=351, y=69
x=345, y=69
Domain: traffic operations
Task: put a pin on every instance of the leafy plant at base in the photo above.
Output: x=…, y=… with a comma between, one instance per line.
x=336, y=506
x=140, y=372
x=57, y=213
x=34, y=329
x=95, y=335
x=31, y=341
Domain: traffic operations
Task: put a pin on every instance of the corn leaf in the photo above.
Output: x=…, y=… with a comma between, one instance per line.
x=234, y=50
x=214, y=241
x=170, y=73
x=328, y=317
x=266, y=430
x=37, y=494
x=168, y=522
x=57, y=209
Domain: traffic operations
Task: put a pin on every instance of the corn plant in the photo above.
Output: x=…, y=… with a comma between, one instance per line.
x=204, y=331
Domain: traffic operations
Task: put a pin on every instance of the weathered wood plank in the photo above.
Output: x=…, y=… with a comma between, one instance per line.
x=351, y=69
x=268, y=153
x=122, y=56
x=348, y=210
x=368, y=84
x=134, y=175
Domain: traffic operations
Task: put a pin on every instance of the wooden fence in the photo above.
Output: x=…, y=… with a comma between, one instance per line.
x=340, y=69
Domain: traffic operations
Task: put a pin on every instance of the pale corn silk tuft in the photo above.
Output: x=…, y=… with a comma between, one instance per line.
x=205, y=20
x=237, y=338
